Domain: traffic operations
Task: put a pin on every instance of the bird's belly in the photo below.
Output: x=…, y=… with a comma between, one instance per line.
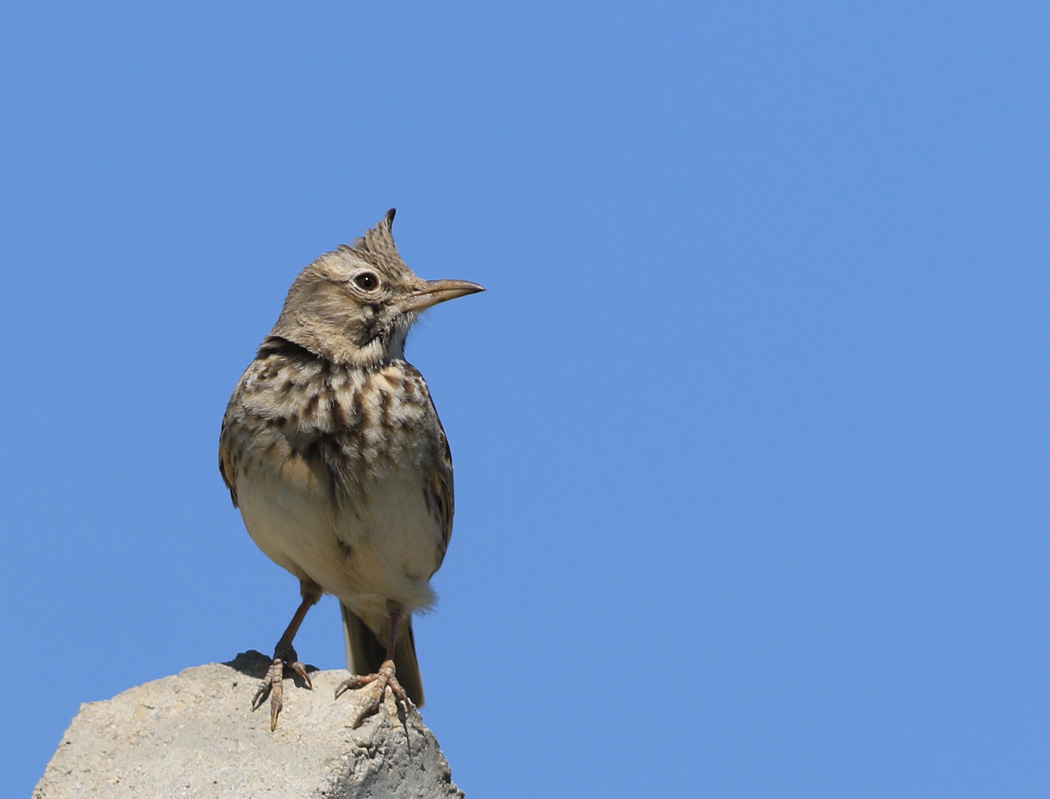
x=290, y=523
x=381, y=546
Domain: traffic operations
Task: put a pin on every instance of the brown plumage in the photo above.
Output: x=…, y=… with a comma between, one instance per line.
x=333, y=451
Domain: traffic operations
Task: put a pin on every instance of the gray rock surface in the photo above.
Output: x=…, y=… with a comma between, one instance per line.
x=194, y=735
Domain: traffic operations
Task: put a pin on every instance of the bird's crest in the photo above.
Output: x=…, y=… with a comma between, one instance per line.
x=378, y=242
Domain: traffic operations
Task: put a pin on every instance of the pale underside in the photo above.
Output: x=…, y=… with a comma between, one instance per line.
x=358, y=559
x=373, y=541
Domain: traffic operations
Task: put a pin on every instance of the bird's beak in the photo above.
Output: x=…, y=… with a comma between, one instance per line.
x=434, y=291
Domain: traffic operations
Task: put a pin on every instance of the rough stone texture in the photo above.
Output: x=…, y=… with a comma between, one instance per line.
x=194, y=735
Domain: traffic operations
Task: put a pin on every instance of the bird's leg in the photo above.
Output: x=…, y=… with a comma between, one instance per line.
x=381, y=680
x=284, y=654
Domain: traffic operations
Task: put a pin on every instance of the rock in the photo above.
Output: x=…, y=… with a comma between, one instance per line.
x=194, y=735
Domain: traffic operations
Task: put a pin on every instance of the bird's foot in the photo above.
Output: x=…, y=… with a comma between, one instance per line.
x=284, y=656
x=381, y=680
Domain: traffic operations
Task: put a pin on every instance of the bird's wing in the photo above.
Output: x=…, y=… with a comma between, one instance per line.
x=226, y=463
x=443, y=494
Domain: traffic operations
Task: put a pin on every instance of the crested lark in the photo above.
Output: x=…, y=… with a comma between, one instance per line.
x=334, y=453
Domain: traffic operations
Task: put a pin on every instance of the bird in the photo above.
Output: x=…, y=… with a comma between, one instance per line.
x=333, y=452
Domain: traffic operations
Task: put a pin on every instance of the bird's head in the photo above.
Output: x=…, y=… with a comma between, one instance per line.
x=355, y=305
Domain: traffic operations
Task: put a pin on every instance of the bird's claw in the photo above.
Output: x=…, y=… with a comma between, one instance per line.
x=381, y=680
x=272, y=683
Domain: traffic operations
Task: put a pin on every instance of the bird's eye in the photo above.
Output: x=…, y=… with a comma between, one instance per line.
x=366, y=281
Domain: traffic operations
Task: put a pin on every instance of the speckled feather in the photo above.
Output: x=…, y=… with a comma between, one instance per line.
x=340, y=429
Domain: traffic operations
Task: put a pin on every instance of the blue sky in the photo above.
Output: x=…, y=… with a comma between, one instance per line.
x=750, y=427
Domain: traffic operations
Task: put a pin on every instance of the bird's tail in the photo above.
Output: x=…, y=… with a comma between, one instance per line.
x=365, y=653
